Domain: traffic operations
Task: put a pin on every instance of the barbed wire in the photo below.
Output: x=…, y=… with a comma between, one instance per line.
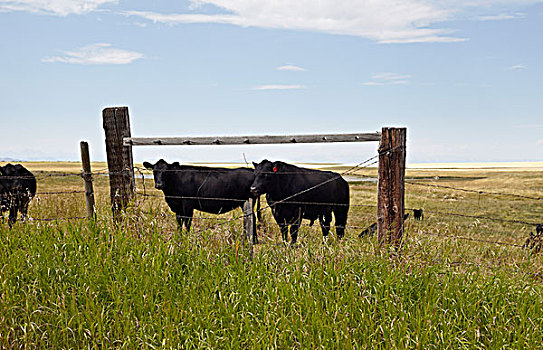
x=469, y=239
x=67, y=218
x=479, y=217
x=59, y=192
x=410, y=182
x=244, y=200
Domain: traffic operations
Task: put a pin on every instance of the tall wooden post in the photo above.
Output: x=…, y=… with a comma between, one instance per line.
x=119, y=158
x=390, y=191
x=87, y=176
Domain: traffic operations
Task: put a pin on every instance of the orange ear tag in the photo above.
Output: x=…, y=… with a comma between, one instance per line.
x=275, y=169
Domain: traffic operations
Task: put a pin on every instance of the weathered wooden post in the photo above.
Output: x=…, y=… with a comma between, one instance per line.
x=248, y=224
x=390, y=190
x=87, y=177
x=119, y=158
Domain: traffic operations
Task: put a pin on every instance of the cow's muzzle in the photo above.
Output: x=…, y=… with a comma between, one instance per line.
x=255, y=191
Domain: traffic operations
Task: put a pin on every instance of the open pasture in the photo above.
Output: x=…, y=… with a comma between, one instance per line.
x=458, y=281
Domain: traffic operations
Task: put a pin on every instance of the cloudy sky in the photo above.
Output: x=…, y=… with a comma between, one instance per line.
x=465, y=77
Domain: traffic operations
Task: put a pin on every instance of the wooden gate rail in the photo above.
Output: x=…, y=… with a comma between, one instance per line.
x=250, y=140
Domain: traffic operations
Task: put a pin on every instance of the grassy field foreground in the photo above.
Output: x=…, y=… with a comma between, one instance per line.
x=142, y=284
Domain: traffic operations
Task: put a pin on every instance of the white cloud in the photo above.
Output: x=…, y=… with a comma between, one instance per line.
x=291, y=67
x=517, y=67
x=55, y=7
x=96, y=54
x=381, y=79
x=279, y=87
x=386, y=21
x=501, y=17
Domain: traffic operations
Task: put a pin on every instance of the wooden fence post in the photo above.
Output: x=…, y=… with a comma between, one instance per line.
x=119, y=158
x=87, y=176
x=248, y=223
x=390, y=190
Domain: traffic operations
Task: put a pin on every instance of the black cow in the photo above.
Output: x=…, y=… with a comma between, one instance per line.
x=296, y=193
x=186, y=188
x=418, y=214
x=17, y=188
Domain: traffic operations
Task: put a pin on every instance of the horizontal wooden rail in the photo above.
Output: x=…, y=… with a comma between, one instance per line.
x=250, y=140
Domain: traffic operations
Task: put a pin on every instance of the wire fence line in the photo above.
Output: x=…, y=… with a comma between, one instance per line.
x=441, y=235
x=244, y=200
x=410, y=182
x=58, y=192
x=288, y=200
x=442, y=213
x=66, y=218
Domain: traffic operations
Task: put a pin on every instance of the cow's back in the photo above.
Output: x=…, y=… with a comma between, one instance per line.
x=308, y=185
x=310, y=192
x=212, y=190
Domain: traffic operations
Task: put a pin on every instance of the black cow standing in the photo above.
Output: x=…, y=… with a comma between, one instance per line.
x=17, y=188
x=296, y=193
x=186, y=188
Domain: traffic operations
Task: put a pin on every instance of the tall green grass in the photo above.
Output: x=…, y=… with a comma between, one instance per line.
x=84, y=285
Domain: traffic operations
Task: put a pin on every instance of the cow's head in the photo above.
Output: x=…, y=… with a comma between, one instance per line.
x=161, y=170
x=8, y=170
x=265, y=176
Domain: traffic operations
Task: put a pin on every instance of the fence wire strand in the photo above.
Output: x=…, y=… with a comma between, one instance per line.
x=474, y=191
x=442, y=235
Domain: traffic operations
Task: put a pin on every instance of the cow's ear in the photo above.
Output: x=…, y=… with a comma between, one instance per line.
x=255, y=164
x=276, y=167
x=175, y=164
x=148, y=165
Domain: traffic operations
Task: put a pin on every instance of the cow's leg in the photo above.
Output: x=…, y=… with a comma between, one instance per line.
x=24, y=208
x=255, y=236
x=340, y=214
x=284, y=231
x=184, y=219
x=179, y=218
x=295, y=227
x=325, y=221
x=294, y=231
x=187, y=220
x=12, y=216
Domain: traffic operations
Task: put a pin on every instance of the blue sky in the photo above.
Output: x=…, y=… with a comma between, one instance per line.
x=465, y=77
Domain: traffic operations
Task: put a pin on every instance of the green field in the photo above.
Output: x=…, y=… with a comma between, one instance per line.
x=142, y=284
